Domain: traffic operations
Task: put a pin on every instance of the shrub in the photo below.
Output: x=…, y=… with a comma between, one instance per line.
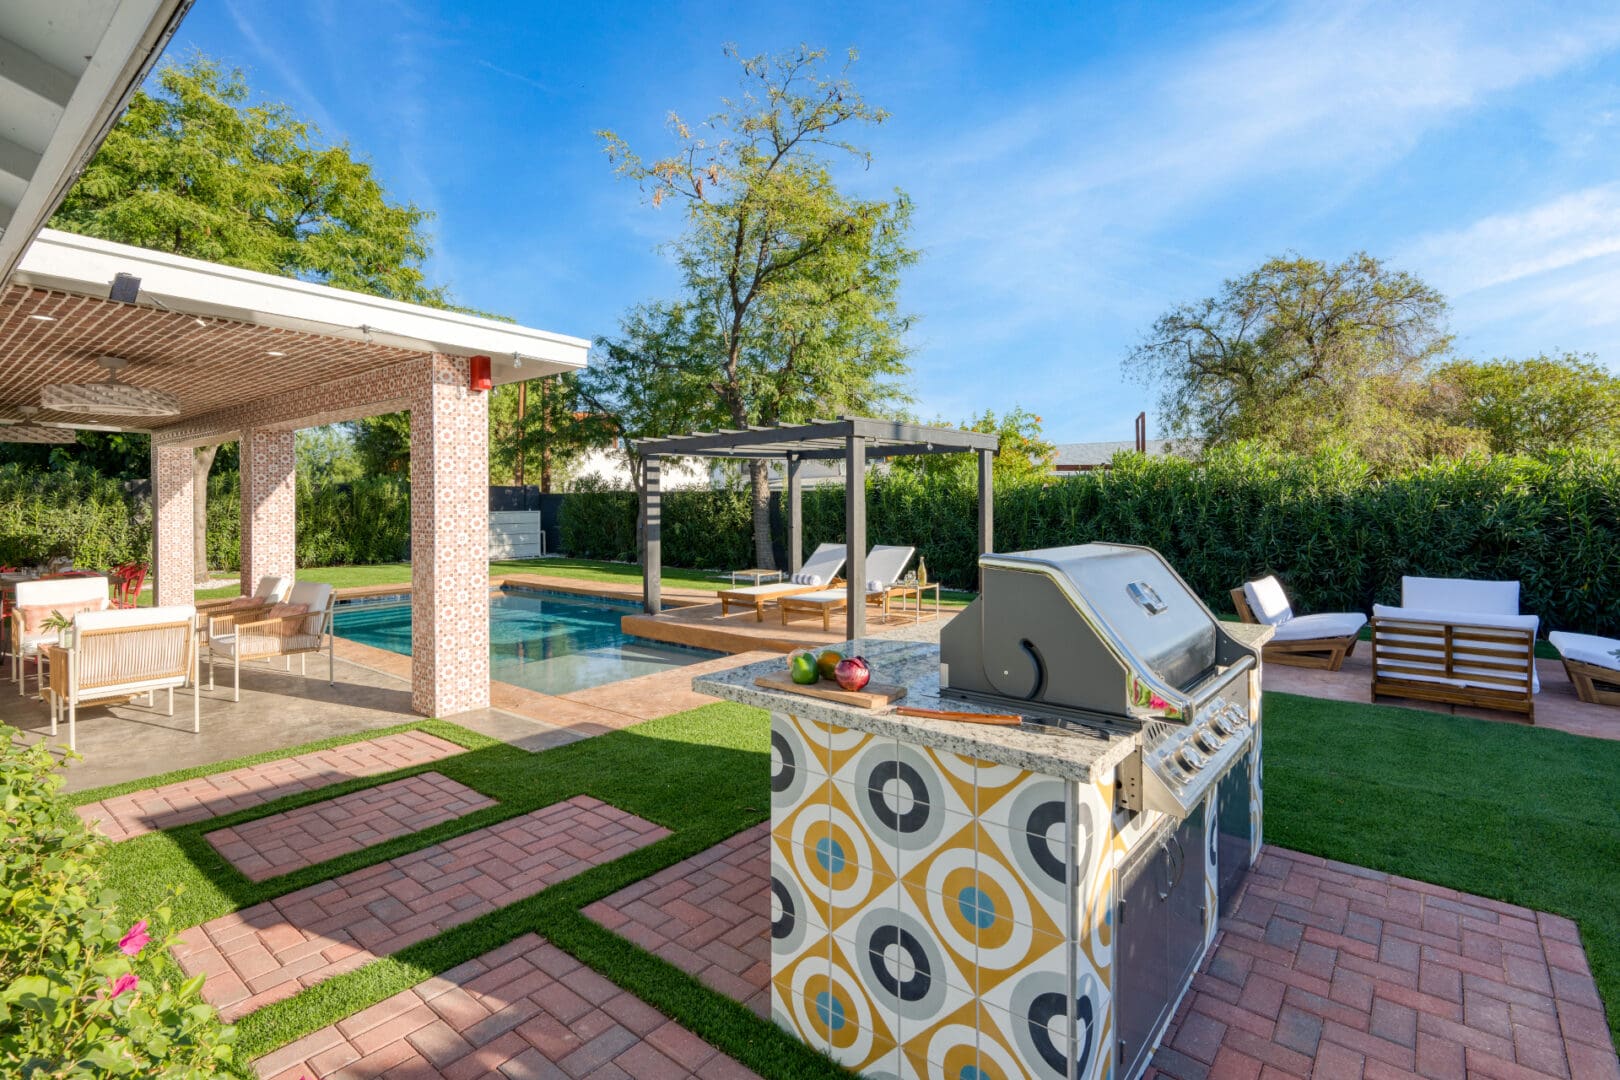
x=71, y=511
x=82, y=995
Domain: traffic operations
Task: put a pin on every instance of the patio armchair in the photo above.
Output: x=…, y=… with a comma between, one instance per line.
x=301, y=626
x=121, y=654
x=37, y=601
x=1457, y=642
x=1312, y=641
x=272, y=589
x=884, y=565
x=1593, y=665
x=819, y=571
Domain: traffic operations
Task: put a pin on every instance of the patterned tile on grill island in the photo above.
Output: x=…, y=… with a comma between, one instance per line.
x=794, y=769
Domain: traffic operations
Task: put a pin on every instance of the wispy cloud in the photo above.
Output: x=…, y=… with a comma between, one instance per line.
x=272, y=57
x=1561, y=232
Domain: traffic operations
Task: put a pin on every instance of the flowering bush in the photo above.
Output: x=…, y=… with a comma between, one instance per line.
x=82, y=995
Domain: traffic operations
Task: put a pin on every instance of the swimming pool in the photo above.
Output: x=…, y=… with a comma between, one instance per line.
x=546, y=641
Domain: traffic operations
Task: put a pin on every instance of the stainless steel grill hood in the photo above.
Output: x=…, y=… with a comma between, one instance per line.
x=1107, y=632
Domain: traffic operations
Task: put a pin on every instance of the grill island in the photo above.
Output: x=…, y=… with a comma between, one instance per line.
x=1025, y=900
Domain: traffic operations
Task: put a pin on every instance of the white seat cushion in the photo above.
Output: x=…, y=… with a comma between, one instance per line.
x=1314, y=627
x=1460, y=594
x=773, y=589
x=124, y=618
x=1268, y=601
x=825, y=596
x=1587, y=649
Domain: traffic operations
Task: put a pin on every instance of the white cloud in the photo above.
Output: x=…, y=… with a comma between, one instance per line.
x=1561, y=232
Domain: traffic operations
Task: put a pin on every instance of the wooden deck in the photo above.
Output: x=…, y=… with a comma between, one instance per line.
x=703, y=627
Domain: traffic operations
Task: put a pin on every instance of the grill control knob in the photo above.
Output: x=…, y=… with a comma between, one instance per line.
x=1208, y=738
x=1189, y=759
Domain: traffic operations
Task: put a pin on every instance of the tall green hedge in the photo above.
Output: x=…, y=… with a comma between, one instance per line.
x=1338, y=536
x=46, y=513
x=356, y=523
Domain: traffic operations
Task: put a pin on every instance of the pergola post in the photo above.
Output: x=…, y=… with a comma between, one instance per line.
x=172, y=538
x=855, y=536
x=652, y=532
x=987, y=506
x=795, y=515
x=269, y=506
x=449, y=541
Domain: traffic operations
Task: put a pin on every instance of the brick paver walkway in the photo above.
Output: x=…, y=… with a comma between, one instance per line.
x=272, y=950
x=525, y=1010
x=1333, y=971
x=281, y=843
x=227, y=792
x=710, y=916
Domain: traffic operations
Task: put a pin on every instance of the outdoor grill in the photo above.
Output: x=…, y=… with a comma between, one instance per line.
x=1108, y=635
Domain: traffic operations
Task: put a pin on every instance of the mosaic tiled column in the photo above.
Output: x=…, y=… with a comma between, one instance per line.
x=449, y=542
x=269, y=506
x=172, y=561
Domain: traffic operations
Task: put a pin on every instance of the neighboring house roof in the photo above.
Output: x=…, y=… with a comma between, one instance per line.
x=66, y=72
x=1073, y=457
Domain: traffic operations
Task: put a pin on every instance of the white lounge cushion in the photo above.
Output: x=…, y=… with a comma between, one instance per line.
x=825, y=596
x=775, y=588
x=885, y=563
x=1390, y=641
x=1460, y=595
x=273, y=588
x=1587, y=649
x=1268, y=601
x=1316, y=627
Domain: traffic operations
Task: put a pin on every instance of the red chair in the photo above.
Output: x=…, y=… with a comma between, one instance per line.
x=128, y=580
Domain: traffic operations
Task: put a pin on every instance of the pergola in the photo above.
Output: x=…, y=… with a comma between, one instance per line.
x=853, y=438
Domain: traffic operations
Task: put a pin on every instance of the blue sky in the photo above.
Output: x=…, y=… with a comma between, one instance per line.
x=1076, y=168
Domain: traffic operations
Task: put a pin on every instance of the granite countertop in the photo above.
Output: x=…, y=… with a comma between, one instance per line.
x=914, y=664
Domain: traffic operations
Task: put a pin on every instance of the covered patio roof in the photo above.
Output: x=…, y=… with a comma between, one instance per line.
x=853, y=438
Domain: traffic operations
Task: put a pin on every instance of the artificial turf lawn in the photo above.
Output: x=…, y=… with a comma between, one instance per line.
x=1523, y=815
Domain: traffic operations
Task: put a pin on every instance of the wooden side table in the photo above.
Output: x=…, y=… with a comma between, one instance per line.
x=757, y=575
x=904, y=592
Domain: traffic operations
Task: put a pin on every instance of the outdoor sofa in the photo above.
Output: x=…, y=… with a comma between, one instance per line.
x=120, y=654
x=820, y=570
x=1311, y=641
x=884, y=565
x=36, y=602
x=1593, y=664
x=1458, y=642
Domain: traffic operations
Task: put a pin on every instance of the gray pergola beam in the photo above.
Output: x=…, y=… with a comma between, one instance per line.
x=652, y=524
x=795, y=515
x=883, y=436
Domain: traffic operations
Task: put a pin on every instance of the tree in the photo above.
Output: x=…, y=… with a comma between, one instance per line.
x=1533, y=406
x=790, y=284
x=1298, y=354
x=194, y=169
x=1024, y=454
x=535, y=431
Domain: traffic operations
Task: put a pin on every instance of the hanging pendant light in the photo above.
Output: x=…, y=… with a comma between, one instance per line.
x=109, y=398
x=26, y=431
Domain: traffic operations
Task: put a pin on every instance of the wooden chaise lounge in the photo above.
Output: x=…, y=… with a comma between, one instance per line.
x=1308, y=641
x=1593, y=665
x=820, y=571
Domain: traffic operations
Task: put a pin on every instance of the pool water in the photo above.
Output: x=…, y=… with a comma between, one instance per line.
x=545, y=641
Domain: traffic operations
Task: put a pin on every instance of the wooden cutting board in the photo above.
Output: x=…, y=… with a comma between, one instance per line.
x=873, y=696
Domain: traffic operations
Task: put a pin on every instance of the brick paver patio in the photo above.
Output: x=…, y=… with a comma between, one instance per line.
x=272, y=950
x=526, y=1009
x=1329, y=970
x=281, y=843
x=225, y=793
x=710, y=916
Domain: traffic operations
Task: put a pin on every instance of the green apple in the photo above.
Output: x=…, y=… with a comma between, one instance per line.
x=802, y=666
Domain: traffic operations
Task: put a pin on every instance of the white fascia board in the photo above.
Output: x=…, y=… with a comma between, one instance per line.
x=86, y=266
x=137, y=31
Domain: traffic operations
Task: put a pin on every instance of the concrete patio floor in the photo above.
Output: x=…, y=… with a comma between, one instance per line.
x=1557, y=707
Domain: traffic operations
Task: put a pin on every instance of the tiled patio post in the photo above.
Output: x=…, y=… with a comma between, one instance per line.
x=449, y=542
x=171, y=525
x=269, y=506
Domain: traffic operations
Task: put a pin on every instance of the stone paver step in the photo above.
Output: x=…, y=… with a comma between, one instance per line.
x=186, y=801
x=527, y=1009
x=281, y=843
x=272, y=950
x=709, y=915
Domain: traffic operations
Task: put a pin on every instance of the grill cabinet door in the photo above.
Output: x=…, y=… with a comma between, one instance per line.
x=1236, y=830
x=1141, y=959
x=1188, y=903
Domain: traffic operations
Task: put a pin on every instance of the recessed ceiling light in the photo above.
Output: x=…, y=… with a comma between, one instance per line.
x=43, y=318
x=275, y=352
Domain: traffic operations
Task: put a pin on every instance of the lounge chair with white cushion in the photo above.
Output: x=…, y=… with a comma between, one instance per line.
x=884, y=565
x=1458, y=642
x=1313, y=641
x=37, y=601
x=123, y=653
x=272, y=589
x=301, y=626
x=1593, y=664
x=819, y=571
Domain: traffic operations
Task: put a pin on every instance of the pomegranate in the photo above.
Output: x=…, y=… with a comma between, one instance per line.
x=853, y=673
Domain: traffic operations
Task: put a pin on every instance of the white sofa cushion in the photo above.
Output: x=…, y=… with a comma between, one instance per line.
x=1267, y=601
x=1315, y=627
x=61, y=591
x=1587, y=649
x=123, y=618
x=1460, y=594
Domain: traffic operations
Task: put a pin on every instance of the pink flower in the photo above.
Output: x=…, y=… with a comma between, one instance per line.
x=133, y=942
x=124, y=982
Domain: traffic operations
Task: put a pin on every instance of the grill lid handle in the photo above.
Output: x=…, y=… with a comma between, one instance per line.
x=1146, y=597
